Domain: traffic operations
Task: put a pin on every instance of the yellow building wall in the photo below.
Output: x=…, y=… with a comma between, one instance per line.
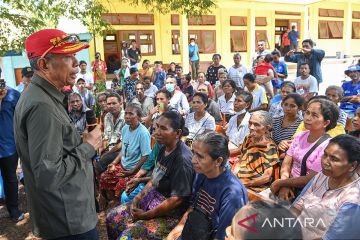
x=226, y=8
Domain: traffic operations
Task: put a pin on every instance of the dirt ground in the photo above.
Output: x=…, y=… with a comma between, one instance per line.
x=10, y=230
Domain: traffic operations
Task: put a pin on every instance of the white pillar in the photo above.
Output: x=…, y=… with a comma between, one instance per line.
x=250, y=34
x=305, y=20
x=347, y=31
x=184, y=45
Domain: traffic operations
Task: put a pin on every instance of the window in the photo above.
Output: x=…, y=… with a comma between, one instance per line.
x=110, y=38
x=238, y=40
x=261, y=35
x=238, y=21
x=356, y=30
x=331, y=13
x=356, y=14
x=206, y=40
x=202, y=20
x=330, y=30
x=128, y=19
x=144, y=38
x=175, y=19
x=175, y=41
x=260, y=21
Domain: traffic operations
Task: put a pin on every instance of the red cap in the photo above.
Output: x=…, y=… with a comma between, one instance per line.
x=37, y=43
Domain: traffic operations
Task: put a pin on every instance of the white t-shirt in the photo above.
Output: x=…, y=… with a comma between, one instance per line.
x=151, y=91
x=308, y=85
x=226, y=107
x=88, y=77
x=237, y=133
x=207, y=123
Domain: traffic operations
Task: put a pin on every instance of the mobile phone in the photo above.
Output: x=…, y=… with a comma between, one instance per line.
x=2, y=85
x=161, y=107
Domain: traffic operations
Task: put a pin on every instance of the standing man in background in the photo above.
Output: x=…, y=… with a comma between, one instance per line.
x=8, y=155
x=194, y=58
x=27, y=74
x=57, y=163
x=293, y=36
x=134, y=54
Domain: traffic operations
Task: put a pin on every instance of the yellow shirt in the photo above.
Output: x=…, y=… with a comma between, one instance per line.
x=338, y=130
x=145, y=73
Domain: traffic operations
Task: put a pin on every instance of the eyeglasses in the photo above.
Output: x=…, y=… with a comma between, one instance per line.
x=73, y=39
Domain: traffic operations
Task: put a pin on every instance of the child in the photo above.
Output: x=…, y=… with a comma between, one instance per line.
x=265, y=72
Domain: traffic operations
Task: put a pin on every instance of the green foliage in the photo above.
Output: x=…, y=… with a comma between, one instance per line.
x=187, y=7
x=20, y=18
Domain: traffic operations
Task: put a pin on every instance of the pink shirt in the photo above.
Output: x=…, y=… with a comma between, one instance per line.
x=322, y=205
x=299, y=147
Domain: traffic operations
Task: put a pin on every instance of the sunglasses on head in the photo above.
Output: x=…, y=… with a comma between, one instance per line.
x=73, y=39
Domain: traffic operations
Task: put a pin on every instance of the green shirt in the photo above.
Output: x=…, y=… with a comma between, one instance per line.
x=57, y=165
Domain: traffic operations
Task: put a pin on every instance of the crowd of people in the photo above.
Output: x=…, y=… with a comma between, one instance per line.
x=173, y=156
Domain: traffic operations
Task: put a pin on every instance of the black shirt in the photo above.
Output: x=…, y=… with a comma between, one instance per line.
x=134, y=54
x=173, y=175
x=212, y=73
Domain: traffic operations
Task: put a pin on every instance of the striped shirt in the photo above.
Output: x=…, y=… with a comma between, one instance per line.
x=280, y=133
x=254, y=160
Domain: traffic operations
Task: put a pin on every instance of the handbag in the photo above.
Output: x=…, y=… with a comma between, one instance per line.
x=198, y=225
x=189, y=141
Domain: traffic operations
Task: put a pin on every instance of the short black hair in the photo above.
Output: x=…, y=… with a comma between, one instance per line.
x=268, y=58
x=173, y=63
x=178, y=67
x=350, y=145
x=133, y=40
x=146, y=60
x=216, y=54
x=191, y=39
x=298, y=99
x=231, y=82
x=249, y=76
x=188, y=77
x=293, y=27
x=158, y=62
x=105, y=94
x=166, y=92
x=203, y=97
x=114, y=94
x=304, y=63
x=147, y=78
x=276, y=52
x=82, y=62
x=309, y=41
x=176, y=122
x=133, y=70
x=329, y=111
x=80, y=79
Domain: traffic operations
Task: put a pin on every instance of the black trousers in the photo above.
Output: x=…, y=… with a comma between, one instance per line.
x=8, y=166
x=103, y=163
x=90, y=235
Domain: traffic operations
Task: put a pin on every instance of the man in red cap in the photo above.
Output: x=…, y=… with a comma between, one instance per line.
x=57, y=163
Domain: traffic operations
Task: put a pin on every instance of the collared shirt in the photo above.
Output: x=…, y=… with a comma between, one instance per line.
x=80, y=120
x=227, y=107
x=57, y=165
x=87, y=98
x=179, y=102
x=259, y=96
x=350, y=89
x=237, y=133
x=146, y=105
x=314, y=61
x=112, y=129
x=130, y=88
x=151, y=91
x=159, y=79
x=7, y=109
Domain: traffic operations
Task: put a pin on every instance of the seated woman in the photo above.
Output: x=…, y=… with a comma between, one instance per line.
x=258, y=154
x=276, y=102
x=216, y=190
x=199, y=121
x=335, y=94
x=134, y=152
x=213, y=107
x=285, y=126
x=163, y=97
x=303, y=159
x=202, y=80
x=157, y=209
x=266, y=214
x=356, y=124
x=334, y=193
x=238, y=127
x=226, y=101
x=178, y=98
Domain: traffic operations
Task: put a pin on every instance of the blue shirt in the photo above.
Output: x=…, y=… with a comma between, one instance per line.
x=281, y=68
x=350, y=90
x=135, y=144
x=159, y=80
x=20, y=88
x=293, y=36
x=7, y=140
x=221, y=197
x=314, y=61
x=194, y=50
